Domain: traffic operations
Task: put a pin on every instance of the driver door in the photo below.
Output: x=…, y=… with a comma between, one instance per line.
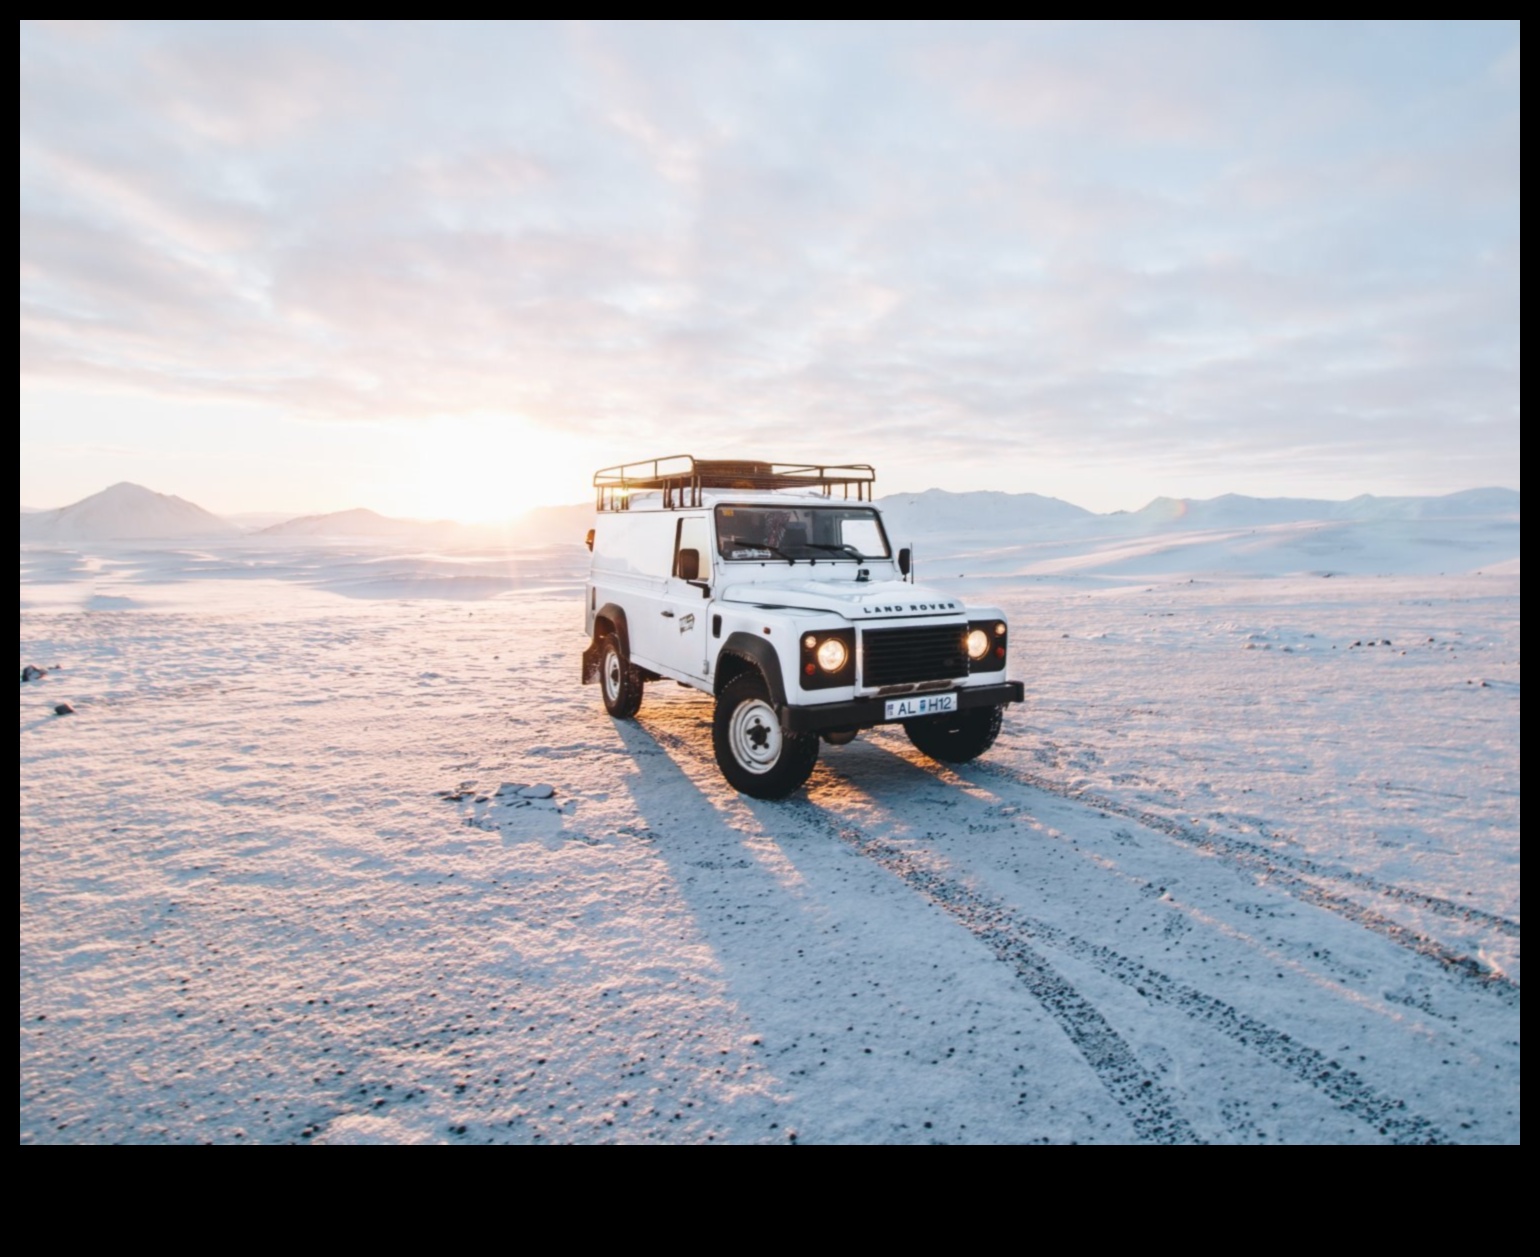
x=683, y=605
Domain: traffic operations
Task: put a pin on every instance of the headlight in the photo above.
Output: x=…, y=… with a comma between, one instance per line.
x=827, y=659
x=978, y=644
x=832, y=655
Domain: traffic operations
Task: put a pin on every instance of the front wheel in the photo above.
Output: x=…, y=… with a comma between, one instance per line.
x=958, y=736
x=755, y=754
x=620, y=682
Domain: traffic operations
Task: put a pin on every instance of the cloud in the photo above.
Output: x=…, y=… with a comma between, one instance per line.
x=1243, y=243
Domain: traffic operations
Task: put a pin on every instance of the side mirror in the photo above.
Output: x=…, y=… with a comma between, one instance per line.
x=590, y=539
x=905, y=560
x=688, y=565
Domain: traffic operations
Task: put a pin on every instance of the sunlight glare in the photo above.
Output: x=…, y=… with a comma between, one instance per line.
x=482, y=469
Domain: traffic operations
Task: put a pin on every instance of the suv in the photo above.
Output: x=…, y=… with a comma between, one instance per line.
x=774, y=588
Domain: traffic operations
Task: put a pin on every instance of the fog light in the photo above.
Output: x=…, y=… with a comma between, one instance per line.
x=809, y=642
x=978, y=644
x=832, y=654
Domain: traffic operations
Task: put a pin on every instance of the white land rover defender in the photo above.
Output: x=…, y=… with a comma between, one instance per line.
x=774, y=587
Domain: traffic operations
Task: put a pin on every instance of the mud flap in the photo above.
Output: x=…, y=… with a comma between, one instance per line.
x=591, y=664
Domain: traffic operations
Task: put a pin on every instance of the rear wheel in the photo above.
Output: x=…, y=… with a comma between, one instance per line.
x=620, y=683
x=957, y=736
x=755, y=754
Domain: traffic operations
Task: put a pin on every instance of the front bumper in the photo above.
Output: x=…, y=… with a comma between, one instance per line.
x=863, y=713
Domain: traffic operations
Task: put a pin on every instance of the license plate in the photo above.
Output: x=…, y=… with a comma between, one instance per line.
x=919, y=705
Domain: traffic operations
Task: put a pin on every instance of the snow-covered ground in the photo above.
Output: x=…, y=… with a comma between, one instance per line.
x=1244, y=867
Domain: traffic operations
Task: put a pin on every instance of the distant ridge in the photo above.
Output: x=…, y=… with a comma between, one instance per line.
x=1234, y=510
x=358, y=522
x=125, y=512
x=939, y=510
x=1467, y=504
x=994, y=517
x=991, y=534
x=131, y=512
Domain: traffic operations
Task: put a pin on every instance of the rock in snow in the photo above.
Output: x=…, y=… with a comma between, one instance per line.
x=33, y=673
x=537, y=792
x=64, y=709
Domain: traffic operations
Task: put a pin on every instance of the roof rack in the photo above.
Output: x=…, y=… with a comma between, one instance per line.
x=681, y=477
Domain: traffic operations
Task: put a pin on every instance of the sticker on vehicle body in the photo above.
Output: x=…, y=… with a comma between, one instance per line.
x=686, y=623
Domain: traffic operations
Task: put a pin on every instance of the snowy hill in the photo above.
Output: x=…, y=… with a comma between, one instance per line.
x=1230, y=510
x=1468, y=504
x=360, y=522
x=547, y=525
x=125, y=512
x=938, y=511
x=255, y=521
x=1233, y=510
x=994, y=534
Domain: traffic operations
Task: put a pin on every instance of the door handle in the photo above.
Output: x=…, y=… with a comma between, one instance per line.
x=669, y=614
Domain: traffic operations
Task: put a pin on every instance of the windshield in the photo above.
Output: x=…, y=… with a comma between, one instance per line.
x=747, y=533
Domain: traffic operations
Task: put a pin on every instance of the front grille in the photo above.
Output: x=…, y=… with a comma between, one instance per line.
x=894, y=656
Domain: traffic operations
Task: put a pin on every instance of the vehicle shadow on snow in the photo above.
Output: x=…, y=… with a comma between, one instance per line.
x=681, y=731
x=846, y=973
x=726, y=850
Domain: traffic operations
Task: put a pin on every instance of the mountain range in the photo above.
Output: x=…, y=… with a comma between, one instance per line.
x=130, y=512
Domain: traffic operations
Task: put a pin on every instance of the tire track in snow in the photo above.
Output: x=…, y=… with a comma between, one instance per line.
x=1292, y=874
x=1009, y=933
x=1149, y=1109
x=1240, y=849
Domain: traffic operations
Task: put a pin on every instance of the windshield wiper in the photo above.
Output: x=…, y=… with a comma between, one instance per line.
x=843, y=548
x=746, y=544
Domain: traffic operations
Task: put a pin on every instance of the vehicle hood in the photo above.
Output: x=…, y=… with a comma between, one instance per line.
x=855, y=600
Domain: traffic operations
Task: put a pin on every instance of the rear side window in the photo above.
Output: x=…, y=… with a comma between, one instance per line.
x=638, y=545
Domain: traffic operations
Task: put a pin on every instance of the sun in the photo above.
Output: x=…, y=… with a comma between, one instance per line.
x=480, y=469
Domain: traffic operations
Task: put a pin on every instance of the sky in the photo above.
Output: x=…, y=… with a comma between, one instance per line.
x=449, y=270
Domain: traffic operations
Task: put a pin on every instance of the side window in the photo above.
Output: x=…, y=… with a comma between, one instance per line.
x=694, y=534
x=633, y=545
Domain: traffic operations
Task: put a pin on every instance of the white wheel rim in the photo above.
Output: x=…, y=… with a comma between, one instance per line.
x=754, y=734
x=612, y=676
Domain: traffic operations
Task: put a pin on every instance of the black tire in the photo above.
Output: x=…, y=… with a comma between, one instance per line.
x=620, y=684
x=958, y=736
x=755, y=754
